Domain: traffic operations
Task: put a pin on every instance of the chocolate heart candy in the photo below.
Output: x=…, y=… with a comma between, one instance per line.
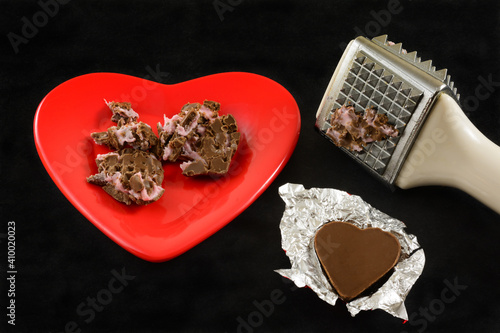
x=353, y=258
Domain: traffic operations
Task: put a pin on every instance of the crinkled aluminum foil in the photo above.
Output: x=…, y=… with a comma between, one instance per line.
x=307, y=210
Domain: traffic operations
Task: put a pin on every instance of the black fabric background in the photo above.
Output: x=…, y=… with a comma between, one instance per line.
x=62, y=259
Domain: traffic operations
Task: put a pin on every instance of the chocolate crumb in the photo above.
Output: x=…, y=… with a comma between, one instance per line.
x=353, y=130
x=137, y=135
x=122, y=110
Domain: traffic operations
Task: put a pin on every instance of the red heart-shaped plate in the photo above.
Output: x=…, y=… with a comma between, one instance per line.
x=191, y=209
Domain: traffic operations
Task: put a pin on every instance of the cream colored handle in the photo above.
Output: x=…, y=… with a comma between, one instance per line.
x=451, y=151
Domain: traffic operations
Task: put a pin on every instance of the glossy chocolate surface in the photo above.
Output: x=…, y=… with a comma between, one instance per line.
x=354, y=259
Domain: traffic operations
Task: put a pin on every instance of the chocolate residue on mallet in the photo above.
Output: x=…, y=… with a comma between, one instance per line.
x=353, y=130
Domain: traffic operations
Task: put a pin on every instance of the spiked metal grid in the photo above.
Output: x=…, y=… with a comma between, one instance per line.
x=381, y=74
x=412, y=58
x=370, y=85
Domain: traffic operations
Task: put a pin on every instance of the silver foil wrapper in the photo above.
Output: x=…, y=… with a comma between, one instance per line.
x=307, y=210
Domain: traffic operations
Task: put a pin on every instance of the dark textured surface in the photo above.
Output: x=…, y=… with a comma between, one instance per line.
x=227, y=283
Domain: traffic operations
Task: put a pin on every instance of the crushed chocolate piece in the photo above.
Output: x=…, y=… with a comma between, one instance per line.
x=353, y=130
x=129, y=175
x=137, y=135
x=122, y=110
x=201, y=137
x=205, y=141
x=355, y=259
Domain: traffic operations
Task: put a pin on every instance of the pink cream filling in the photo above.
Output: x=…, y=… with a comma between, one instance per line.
x=172, y=125
x=185, y=131
x=129, y=113
x=347, y=117
x=169, y=124
x=115, y=180
x=191, y=153
x=125, y=133
x=206, y=112
x=184, y=165
x=101, y=157
x=387, y=130
x=142, y=195
x=166, y=152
